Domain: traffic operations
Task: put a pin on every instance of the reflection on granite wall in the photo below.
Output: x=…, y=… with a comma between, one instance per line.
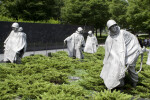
x=41, y=36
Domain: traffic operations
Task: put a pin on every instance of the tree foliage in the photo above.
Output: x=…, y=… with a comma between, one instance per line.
x=29, y=9
x=117, y=10
x=89, y=12
x=138, y=15
x=133, y=15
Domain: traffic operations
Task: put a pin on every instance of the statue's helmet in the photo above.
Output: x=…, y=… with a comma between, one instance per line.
x=79, y=29
x=90, y=32
x=20, y=29
x=16, y=25
x=111, y=23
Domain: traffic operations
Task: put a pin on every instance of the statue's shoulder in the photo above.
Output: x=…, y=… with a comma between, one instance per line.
x=123, y=31
x=73, y=34
x=94, y=36
x=126, y=33
x=108, y=39
x=12, y=31
x=22, y=34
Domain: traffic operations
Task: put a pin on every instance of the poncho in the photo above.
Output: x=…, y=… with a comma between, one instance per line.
x=148, y=59
x=75, y=44
x=91, y=44
x=15, y=42
x=120, y=50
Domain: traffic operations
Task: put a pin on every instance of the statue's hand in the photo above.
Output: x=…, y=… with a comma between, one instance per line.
x=65, y=42
x=143, y=49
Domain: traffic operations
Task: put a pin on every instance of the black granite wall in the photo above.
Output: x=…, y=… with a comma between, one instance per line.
x=41, y=36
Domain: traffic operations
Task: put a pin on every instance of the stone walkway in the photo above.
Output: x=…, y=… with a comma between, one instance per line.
x=43, y=52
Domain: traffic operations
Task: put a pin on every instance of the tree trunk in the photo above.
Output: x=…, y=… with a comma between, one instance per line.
x=133, y=32
x=100, y=31
x=96, y=32
x=149, y=33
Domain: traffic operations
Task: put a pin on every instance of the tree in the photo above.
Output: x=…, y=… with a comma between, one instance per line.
x=56, y=11
x=89, y=12
x=117, y=10
x=29, y=9
x=138, y=15
x=3, y=10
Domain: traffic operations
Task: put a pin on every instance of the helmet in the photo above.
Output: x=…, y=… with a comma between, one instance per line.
x=20, y=29
x=80, y=29
x=110, y=23
x=90, y=32
x=16, y=25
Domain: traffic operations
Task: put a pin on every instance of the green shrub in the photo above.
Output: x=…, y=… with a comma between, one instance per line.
x=115, y=95
x=48, y=78
x=50, y=21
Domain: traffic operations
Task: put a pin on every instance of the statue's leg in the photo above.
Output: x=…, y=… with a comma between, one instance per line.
x=8, y=61
x=120, y=86
x=82, y=56
x=121, y=82
x=74, y=53
x=19, y=55
x=18, y=59
x=133, y=75
x=78, y=53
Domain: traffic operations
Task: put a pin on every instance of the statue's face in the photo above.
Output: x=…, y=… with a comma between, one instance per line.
x=15, y=29
x=81, y=32
x=113, y=28
x=90, y=35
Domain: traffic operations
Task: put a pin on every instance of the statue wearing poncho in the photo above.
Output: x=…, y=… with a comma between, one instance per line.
x=148, y=58
x=91, y=43
x=75, y=44
x=121, y=49
x=15, y=45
